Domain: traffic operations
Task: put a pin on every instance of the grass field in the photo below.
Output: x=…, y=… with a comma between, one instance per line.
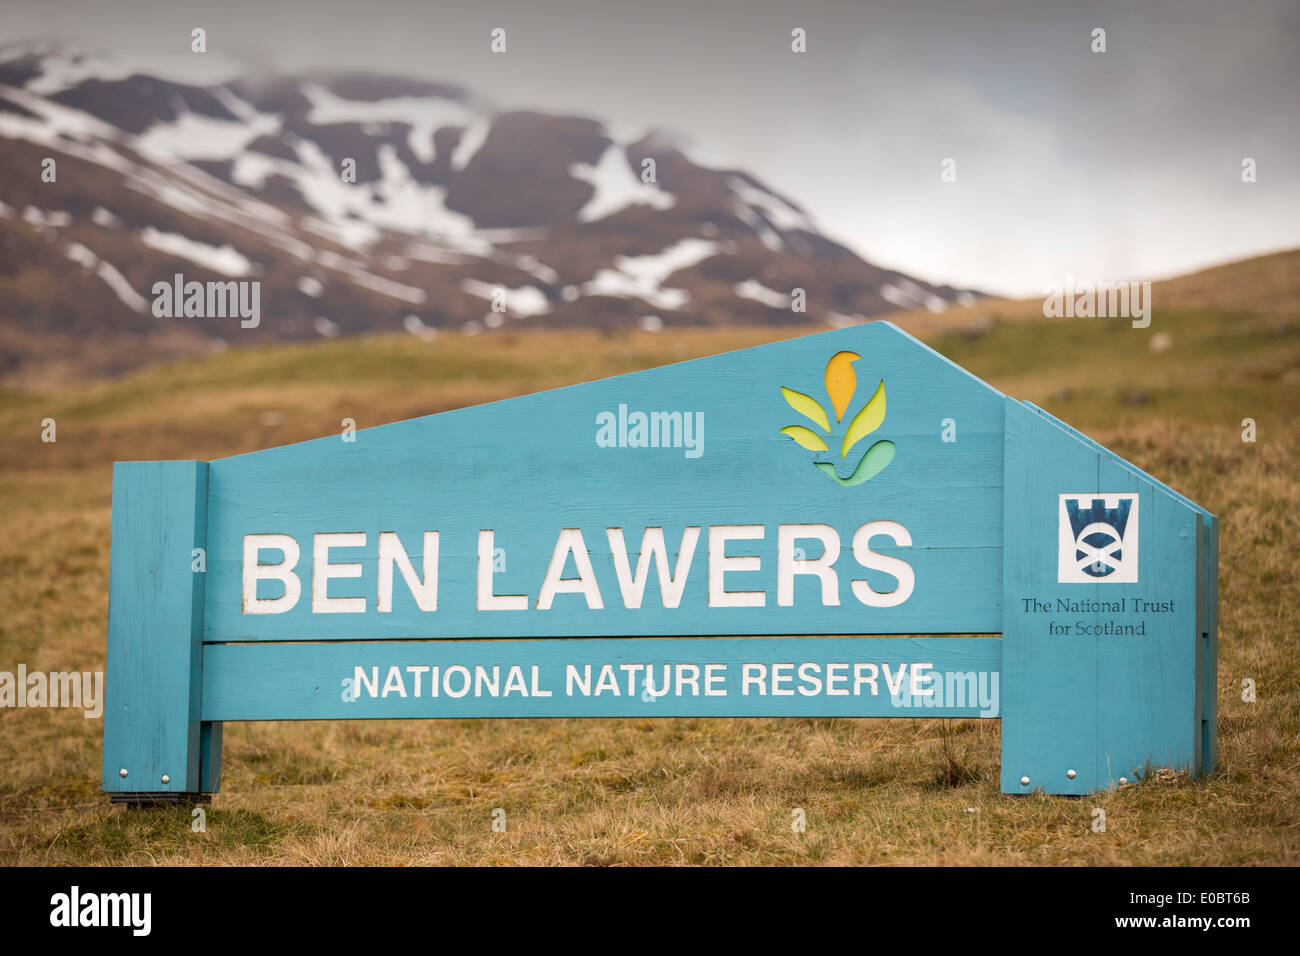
x=663, y=791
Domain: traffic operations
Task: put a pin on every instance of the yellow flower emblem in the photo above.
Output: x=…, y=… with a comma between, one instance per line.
x=841, y=384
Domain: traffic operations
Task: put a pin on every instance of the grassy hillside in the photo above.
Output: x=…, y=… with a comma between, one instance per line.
x=1266, y=286
x=663, y=790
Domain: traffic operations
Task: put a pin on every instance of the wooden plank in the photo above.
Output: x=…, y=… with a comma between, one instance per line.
x=155, y=627
x=1207, y=589
x=1207, y=644
x=210, y=735
x=531, y=467
x=1106, y=684
x=306, y=681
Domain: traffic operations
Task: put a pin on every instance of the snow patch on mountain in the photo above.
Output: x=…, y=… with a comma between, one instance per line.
x=62, y=128
x=108, y=273
x=81, y=255
x=225, y=259
x=766, y=234
x=415, y=326
x=105, y=219
x=63, y=69
x=248, y=214
x=121, y=288
x=642, y=277
x=385, y=287
x=309, y=286
x=617, y=187
x=753, y=289
x=424, y=114
x=441, y=255
x=525, y=301
x=471, y=140
x=906, y=294
x=54, y=219
x=536, y=269
x=193, y=136
x=353, y=214
x=781, y=214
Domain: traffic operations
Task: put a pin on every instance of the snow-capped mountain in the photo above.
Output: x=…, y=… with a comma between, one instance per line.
x=374, y=203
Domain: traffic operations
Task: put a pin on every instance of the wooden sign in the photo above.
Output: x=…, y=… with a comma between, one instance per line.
x=726, y=537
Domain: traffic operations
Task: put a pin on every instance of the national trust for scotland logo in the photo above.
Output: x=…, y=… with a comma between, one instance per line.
x=1097, y=538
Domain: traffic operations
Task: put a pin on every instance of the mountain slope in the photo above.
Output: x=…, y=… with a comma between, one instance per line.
x=1262, y=285
x=461, y=217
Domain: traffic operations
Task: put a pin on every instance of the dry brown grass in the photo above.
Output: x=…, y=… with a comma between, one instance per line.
x=664, y=791
x=1265, y=286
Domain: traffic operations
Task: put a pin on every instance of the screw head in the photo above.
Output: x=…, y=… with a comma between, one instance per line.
x=166, y=779
x=1024, y=781
x=122, y=772
x=1071, y=774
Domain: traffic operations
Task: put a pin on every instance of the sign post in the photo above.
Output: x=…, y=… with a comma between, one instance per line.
x=845, y=524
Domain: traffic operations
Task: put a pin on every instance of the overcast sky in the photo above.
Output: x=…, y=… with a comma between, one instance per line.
x=1123, y=164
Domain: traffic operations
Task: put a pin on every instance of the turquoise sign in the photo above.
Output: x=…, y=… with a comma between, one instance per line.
x=845, y=524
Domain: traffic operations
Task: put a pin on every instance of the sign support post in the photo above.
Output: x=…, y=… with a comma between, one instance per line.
x=156, y=748
x=1101, y=677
